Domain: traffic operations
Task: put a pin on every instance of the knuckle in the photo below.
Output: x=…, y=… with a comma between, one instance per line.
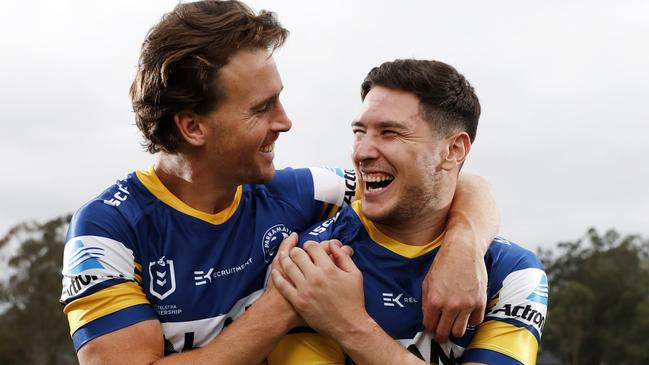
x=285, y=261
x=308, y=244
x=309, y=247
x=478, y=303
x=294, y=252
x=477, y=321
x=482, y=299
x=441, y=334
x=300, y=303
x=462, y=305
x=317, y=279
x=453, y=305
x=435, y=301
x=458, y=332
x=328, y=271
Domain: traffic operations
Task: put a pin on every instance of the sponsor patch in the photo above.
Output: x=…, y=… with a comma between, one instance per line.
x=120, y=195
x=82, y=258
x=324, y=225
x=271, y=240
x=524, y=298
x=205, y=277
x=162, y=278
x=90, y=260
x=334, y=185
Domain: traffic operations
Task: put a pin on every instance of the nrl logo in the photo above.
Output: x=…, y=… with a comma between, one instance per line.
x=272, y=238
x=163, y=278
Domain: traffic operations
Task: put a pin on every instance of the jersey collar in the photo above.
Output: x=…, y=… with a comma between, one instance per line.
x=400, y=248
x=152, y=183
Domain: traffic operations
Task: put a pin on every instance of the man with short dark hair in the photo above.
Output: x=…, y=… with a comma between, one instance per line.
x=412, y=136
x=172, y=258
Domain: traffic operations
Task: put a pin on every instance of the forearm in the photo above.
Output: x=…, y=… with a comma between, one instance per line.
x=454, y=290
x=473, y=217
x=367, y=343
x=248, y=340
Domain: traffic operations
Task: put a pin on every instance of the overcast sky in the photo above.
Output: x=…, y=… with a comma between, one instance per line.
x=564, y=87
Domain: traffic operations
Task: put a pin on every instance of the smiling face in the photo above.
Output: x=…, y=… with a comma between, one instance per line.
x=398, y=157
x=241, y=132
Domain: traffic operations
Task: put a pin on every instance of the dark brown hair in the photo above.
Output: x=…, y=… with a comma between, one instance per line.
x=447, y=100
x=180, y=60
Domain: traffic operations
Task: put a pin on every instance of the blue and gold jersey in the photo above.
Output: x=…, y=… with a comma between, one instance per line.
x=393, y=273
x=137, y=252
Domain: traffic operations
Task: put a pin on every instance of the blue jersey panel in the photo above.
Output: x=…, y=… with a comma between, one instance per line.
x=138, y=246
x=392, y=280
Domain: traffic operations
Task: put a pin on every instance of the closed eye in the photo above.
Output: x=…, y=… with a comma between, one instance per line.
x=264, y=107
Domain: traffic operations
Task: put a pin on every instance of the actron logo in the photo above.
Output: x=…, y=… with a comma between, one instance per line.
x=523, y=297
x=350, y=186
x=524, y=312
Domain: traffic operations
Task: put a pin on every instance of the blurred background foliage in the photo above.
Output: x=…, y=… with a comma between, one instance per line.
x=598, y=311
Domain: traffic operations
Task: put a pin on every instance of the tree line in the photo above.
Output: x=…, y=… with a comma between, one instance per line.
x=598, y=307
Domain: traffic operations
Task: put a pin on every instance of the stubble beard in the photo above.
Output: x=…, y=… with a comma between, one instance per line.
x=416, y=202
x=260, y=175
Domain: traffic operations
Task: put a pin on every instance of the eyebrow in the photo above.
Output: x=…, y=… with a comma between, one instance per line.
x=384, y=124
x=268, y=99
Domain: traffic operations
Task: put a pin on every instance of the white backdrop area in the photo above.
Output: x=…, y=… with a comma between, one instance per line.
x=564, y=88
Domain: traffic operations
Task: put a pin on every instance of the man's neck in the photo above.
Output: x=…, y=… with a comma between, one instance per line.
x=419, y=230
x=194, y=183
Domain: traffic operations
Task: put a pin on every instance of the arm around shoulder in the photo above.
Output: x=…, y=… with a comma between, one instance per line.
x=454, y=290
x=474, y=216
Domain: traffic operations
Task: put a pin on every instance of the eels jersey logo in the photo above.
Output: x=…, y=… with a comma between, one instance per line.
x=271, y=240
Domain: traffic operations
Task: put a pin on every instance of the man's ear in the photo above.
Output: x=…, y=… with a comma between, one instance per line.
x=458, y=147
x=190, y=128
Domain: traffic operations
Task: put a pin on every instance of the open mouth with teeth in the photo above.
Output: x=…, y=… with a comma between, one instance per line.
x=267, y=148
x=377, y=182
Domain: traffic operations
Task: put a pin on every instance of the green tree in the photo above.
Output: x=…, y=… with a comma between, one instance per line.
x=34, y=327
x=599, y=300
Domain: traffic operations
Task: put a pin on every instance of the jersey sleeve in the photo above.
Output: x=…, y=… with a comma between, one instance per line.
x=316, y=193
x=343, y=227
x=322, y=231
x=518, y=289
x=336, y=187
x=101, y=278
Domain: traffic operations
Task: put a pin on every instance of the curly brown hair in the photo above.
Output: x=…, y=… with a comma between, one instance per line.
x=180, y=59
